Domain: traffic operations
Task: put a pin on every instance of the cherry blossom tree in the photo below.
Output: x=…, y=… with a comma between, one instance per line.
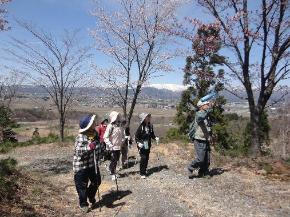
x=258, y=36
x=136, y=47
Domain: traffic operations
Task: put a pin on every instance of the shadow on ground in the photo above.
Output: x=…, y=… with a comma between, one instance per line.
x=150, y=171
x=217, y=171
x=213, y=172
x=132, y=161
x=157, y=169
x=108, y=200
x=51, y=166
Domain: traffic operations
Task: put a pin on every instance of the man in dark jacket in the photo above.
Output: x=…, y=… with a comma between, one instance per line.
x=143, y=137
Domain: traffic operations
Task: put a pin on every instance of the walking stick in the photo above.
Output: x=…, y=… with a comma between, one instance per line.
x=157, y=142
x=96, y=170
x=128, y=145
x=116, y=180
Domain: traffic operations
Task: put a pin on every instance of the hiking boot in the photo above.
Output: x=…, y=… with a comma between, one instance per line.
x=202, y=174
x=107, y=167
x=115, y=176
x=85, y=209
x=94, y=205
x=190, y=173
x=124, y=166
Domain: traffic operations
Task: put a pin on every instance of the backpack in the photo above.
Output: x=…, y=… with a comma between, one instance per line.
x=192, y=130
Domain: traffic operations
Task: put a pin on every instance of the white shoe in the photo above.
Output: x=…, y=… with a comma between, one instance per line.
x=143, y=177
x=108, y=168
x=114, y=177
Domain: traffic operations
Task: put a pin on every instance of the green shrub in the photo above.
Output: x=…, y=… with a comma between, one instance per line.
x=173, y=134
x=266, y=166
x=7, y=168
x=51, y=138
x=232, y=116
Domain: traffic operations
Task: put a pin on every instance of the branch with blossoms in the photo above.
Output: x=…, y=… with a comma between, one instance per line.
x=137, y=49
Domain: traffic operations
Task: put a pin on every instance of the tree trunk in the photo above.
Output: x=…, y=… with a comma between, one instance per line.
x=134, y=101
x=255, y=141
x=61, y=127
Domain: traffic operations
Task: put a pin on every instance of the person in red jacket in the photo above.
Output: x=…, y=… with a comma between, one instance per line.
x=101, y=129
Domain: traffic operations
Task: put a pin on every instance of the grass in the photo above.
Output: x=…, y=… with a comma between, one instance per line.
x=51, y=138
x=173, y=134
x=36, y=191
x=7, y=181
x=266, y=166
x=287, y=161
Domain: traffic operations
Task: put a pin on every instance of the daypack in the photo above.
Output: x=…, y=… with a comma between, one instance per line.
x=192, y=130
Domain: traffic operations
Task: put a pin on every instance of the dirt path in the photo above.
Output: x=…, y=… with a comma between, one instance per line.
x=166, y=192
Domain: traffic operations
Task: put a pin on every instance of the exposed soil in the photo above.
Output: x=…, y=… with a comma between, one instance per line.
x=47, y=188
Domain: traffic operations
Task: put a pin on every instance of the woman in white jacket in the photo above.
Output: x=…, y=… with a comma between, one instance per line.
x=114, y=138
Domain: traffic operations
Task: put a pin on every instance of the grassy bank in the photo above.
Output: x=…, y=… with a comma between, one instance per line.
x=51, y=138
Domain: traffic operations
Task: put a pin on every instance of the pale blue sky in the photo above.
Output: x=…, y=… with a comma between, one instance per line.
x=56, y=15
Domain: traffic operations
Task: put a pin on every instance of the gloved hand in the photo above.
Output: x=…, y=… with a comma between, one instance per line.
x=140, y=145
x=92, y=146
x=157, y=139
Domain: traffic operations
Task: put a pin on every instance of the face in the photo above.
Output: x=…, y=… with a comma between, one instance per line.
x=204, y=107
x=118, y=118
x=147, y=119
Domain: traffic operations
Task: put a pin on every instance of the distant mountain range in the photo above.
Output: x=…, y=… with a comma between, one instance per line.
x=170, y=92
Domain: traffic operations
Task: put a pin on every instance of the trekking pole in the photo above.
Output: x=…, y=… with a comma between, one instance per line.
x=157, y=142
x=117, y=184
x=96, y=170
x=128, y=145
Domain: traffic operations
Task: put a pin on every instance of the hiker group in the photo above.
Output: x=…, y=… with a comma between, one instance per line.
x=111, y=140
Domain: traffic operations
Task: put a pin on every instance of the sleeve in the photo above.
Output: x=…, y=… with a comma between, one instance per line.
x=98, y=130
x=81, y=146
x=99, y=148
x=152, y=134
x=138, y=135
x=107, y=135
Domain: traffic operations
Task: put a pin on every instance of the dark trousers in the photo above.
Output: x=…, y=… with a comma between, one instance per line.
x=124, y=153
x=144, y=154
x=202, y=160
x=115, y=156
x=82, y=179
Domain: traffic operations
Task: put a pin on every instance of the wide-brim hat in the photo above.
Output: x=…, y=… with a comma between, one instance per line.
x=114, y=116
x=86, y=122
x=142, y=117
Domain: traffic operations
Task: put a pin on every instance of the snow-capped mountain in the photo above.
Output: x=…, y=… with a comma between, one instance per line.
x=171, y=87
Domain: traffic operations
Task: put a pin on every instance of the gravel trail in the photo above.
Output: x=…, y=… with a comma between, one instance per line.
x=166, y=192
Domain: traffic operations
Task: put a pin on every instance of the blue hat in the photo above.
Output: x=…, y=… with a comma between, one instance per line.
x=86, y=122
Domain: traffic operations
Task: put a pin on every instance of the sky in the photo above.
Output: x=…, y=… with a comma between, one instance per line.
x=56, y=15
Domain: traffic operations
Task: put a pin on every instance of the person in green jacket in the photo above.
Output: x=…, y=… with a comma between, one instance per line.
x=201, y=140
